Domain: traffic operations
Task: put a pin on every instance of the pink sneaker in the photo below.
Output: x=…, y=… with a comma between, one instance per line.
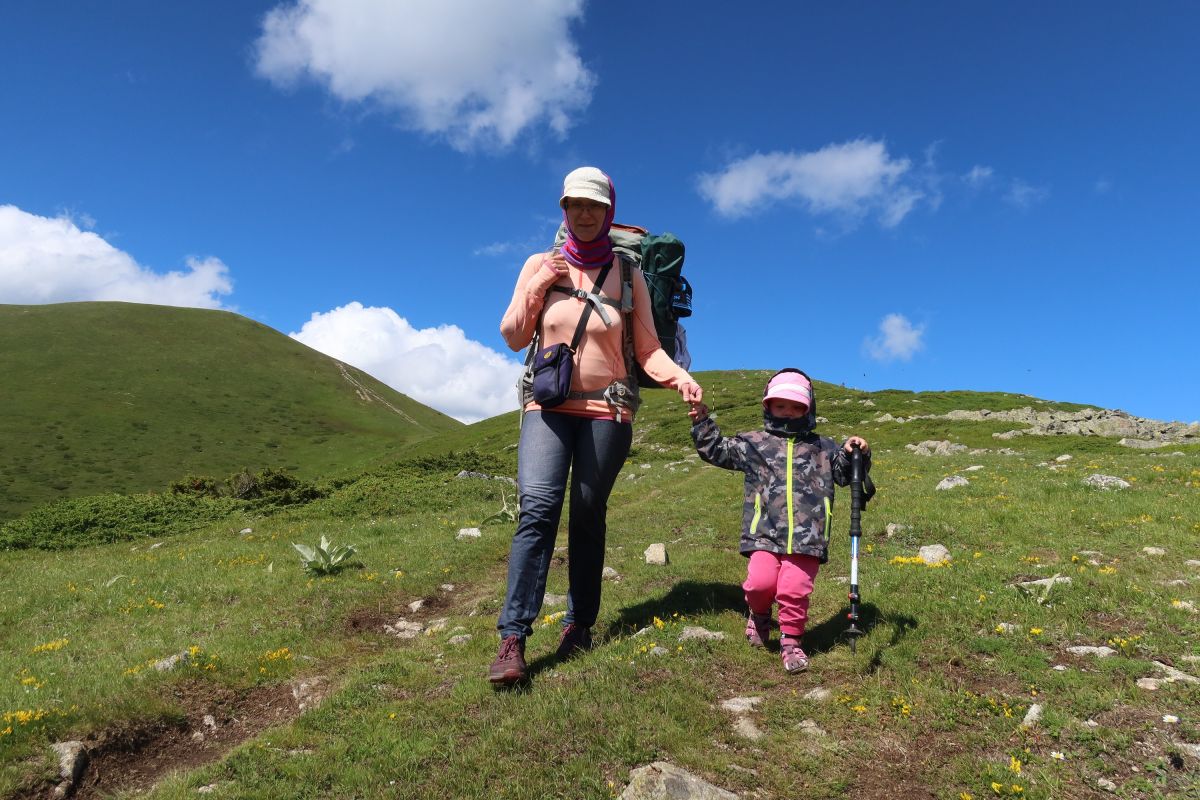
x=758, y=629
x=794, y=659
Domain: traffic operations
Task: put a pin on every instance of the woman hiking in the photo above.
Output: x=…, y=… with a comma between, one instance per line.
x=586, y=435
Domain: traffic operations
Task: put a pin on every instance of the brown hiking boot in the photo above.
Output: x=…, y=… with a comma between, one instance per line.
x=509, y=666
x=574, y=640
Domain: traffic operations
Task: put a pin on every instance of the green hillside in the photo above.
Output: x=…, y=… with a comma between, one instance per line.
x=201, y=658
x=102, y=397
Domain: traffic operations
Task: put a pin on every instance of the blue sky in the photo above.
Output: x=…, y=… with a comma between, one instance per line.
x=939, y=195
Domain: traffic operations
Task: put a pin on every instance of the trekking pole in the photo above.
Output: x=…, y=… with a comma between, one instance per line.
x=856, y=499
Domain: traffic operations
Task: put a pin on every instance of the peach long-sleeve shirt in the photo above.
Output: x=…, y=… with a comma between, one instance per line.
x=600, y=359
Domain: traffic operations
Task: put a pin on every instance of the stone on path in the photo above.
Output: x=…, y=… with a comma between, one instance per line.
x=746, y=728
x=954, y=481
x=1087, y=650
x=810, y=728
x=72, y=761
x=934, y=554
x=740, y=705
x=703, y=634
x=404, y=629
x=1105, y=481
x=664, y=781
x=1174, y=675
x=656, y=554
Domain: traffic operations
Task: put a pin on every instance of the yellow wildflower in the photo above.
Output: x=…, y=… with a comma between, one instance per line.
x=1014, y=765
x=57, y=644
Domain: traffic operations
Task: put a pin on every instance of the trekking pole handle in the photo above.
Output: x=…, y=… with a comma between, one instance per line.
x=856, y=490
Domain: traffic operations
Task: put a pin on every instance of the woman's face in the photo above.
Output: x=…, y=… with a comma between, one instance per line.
x=586, y=217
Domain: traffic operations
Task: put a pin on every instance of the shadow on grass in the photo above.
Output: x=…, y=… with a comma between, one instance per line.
x=832, y=632
x=686, y=598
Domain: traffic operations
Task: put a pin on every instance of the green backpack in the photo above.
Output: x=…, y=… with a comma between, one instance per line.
x=660, y=257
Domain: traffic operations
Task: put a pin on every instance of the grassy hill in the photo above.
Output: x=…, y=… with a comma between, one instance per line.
x=124, y=397
x=966, y=686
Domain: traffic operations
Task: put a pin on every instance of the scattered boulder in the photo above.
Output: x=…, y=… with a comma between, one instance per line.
x=309, y=693
x=746, y=728
x=952, y=482
x=657, y=554
x=1154, y=551
x=934, y=554
x=170, y=662
x=1087, y=650
x=1105, y=481
x=1045, y=583
x=974, y=468
x=416, y=605
x=740, y=705
x=663, y=781
x=555, y=599
x=703, y=634
x=1032, y=715
x=935, y=448
x=611, y=574
x=810, y=728
x=1175, y=675
x=819, y=695
x=404, y=629
x=469, y=533
x=893, y=528
x=72, y=761
x=1106, y=785
x=1065, y=457
x=1140, y=444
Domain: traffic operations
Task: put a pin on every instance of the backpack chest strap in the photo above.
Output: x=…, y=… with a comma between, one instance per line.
x=598, y=301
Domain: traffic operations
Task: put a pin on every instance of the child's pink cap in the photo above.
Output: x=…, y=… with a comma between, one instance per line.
x=789, y=386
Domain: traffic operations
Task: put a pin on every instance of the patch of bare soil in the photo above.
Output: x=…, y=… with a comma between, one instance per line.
x=216, y=719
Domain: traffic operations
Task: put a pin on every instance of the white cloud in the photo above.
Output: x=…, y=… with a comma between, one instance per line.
x=898, y=339
x=52, y=260
x=978, y=176
x=476, y=73
x=852, y=180
x=439, y=367
x=1024, y=195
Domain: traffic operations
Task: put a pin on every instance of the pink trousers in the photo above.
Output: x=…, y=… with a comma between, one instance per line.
x=787, y=580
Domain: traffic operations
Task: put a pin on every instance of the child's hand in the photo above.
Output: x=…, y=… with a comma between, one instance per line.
x=698, y=412
x=857, y=440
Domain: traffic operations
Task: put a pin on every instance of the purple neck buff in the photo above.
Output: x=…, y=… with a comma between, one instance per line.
x=598, y=252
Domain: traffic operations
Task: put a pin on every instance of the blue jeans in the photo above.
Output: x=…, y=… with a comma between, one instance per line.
x=593, y=450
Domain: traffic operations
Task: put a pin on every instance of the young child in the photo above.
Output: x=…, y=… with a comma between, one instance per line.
x=790, y=474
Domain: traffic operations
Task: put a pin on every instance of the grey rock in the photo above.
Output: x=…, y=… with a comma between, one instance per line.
x=1192, y=750
x=170, y=662
x=309, y=693
x=695, y=632
x=819, y=695
x=209, y=722
x=469, y=533
x=953, y=482
x=934, y=553
x=664, y=781
x=1106, y=785
x=1064, y=458
x=1032, y=716
x=659, y=651
x=933, y=447
x=72, y=760
x=746, y=728
x=610, y=574
x=1174, y=674
x=1105, y=481
x=555, y=599
x=893, y=528
x=740, y=705
x=656, y=554
x=460, y=639
x=208, y=789
x=1045, y=583
x=1154, y=551
x=810, y=728
x=1087, y=650
x=416, y=605
x=404, y=629
x=437, y=625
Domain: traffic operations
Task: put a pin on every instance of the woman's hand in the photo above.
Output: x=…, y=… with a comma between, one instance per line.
x=691, y=392
x=554, y=266
x=857, y=440
x=698, y=412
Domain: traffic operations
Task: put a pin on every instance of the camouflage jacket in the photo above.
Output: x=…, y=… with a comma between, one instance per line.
x=788, y=504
